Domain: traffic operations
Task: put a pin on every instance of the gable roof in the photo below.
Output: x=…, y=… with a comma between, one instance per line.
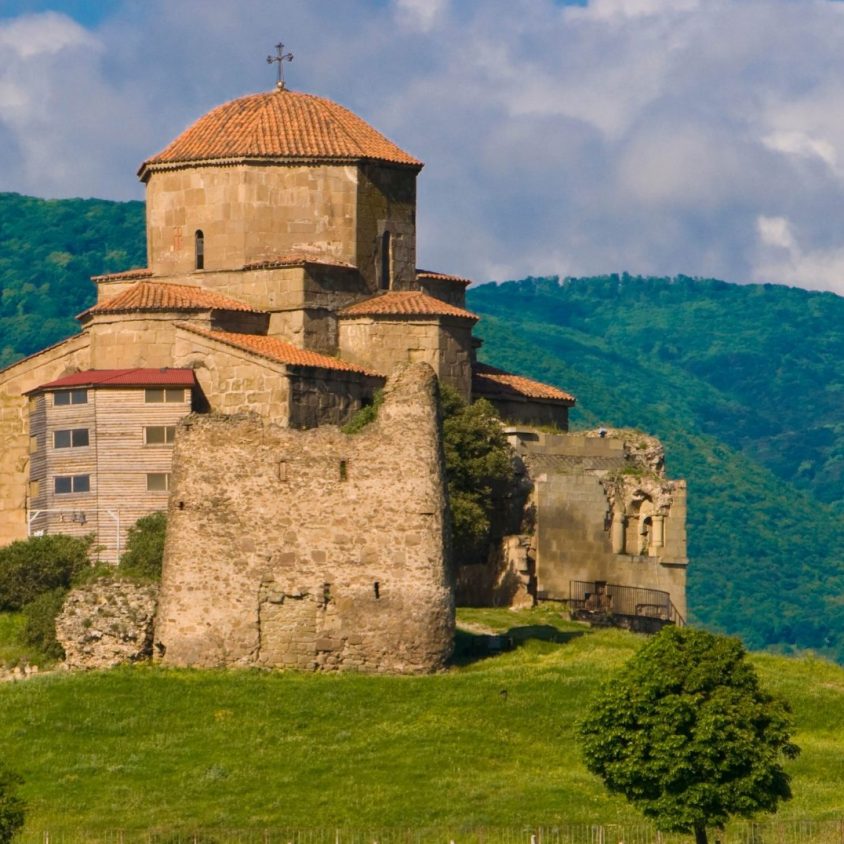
x=277, y=350
x=123, y=378
x=406, y=303
x=280, y=124
x=158, y=296
x=124, y=275
x=298, y=259
x=492, y=383
x=432, y=276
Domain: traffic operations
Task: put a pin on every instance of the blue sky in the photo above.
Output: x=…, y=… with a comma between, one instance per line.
x=703, y=137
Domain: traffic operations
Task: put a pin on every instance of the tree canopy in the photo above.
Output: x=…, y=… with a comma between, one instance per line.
x=478, y=467
x=685, y=733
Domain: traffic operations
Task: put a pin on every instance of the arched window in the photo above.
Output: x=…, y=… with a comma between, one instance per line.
x=386, y=261
x=199, y=249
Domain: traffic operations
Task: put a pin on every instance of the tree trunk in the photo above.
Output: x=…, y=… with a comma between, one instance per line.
x=700, y=834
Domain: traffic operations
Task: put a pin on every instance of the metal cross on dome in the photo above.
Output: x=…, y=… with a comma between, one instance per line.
x=280, y=57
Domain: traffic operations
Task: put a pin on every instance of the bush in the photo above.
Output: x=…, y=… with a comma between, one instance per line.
x=479, y=470
x=39, y=630
x=145, y=547
x=31, y=567
x=367, y=414
x=11, y=805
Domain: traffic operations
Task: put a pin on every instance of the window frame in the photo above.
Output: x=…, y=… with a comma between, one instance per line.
x=168, y=435
x=70, y=396
x=75, y=481
x=165, y=475
x=72, y=437
x=167, y=395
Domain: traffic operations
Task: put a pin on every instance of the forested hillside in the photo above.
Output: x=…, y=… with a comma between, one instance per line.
x=745, y=385
x=49, y=249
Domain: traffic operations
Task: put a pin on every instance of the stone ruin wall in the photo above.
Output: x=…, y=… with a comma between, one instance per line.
x=587, y=507
x=310, y=549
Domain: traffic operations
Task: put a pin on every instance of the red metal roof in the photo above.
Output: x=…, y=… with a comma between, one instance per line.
x=489, y=382
x=123, y=378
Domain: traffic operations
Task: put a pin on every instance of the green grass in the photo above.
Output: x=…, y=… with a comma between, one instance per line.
x=488, y=743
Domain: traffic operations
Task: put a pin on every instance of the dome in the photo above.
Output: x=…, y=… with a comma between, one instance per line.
x=277, y=125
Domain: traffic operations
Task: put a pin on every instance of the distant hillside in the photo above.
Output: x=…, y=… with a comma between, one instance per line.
x=49, y=249
x=745, y=386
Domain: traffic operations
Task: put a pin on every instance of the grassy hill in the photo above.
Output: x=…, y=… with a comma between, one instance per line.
x=491, y=742
x=744, y=384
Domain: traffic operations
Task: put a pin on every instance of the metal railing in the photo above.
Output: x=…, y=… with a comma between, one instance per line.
x=631, y=601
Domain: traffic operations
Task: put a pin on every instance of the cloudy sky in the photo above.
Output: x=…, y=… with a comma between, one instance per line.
x=703, y=137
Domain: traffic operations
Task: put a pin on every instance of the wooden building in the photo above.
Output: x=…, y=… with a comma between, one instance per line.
x=100, y=451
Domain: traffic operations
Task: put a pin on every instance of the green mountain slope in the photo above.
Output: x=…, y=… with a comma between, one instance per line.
x=49, y=249
x=734, y=379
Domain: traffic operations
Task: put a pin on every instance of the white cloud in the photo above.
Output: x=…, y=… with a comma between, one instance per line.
x=654, y=136
x=776, y=231
x=802, y=145
x=422, y=15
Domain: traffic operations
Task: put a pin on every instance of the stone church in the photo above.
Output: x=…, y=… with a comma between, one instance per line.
x=281, y=292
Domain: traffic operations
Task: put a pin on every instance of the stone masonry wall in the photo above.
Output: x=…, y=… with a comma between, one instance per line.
x=72, y=355
x=231, y=380
x=249, y=213
x=384, y=344
x=310, y=549
x=605, y=511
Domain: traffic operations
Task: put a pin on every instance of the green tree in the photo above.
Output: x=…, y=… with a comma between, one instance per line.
x=686, y=734
x=145, y=547
x=11, y=805
x=479, y=470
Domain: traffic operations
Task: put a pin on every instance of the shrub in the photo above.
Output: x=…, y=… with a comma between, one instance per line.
x=39, y=630
x=145, y=547
x=11, y=805
x=365, y=415
x=31, y=567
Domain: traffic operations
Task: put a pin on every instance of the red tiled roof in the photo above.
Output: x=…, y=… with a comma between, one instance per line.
x=274, y=349
x=427, y=274
x=490, y=382
x=123, y=378
x=157, y=296
x=405, y=303
x=279, y=124
x=297, y=259
x=126, y=275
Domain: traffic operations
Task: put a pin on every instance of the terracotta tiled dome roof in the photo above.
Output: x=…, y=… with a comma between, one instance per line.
x=278, y=125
